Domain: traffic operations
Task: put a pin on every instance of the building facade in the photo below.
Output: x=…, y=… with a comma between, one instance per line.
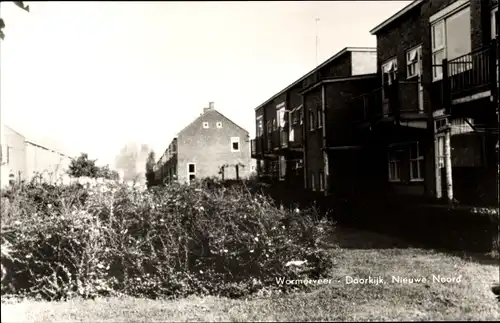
x=211, y=146
x=436, y=62
x=23, y=159
x=414, y=120
x=298, y=129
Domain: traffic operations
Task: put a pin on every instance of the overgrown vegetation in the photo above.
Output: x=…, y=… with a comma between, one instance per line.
x=207, y=238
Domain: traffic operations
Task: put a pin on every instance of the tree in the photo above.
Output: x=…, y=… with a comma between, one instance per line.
x=21, y=5
x=150, y=172
x=83, y=166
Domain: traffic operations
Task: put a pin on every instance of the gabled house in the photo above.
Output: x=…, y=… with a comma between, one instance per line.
x=211, y=146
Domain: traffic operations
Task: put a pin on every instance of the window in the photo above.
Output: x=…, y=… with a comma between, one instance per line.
x=493, y=22
x=219, y=124
x=395, y=164
x=205, y=125
x=191, y=172
x=280, y=115
x=260, y=127
x=311, y=120
x=274, y=125
x=320, y=117
x=235, y=144
x=295, y=118
x=389, y=71
x=389, y=74
x=413, y=59
x=301, y=116
x=451, y=39
x=321, y=181
x=313, y=182
x=269, y=127
x=416, y=163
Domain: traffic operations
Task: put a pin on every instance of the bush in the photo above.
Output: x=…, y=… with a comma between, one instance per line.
x=206, y=238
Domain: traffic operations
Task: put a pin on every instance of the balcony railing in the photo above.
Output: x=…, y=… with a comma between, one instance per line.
x=470, y=73
x=392, y=100
x=366, y=106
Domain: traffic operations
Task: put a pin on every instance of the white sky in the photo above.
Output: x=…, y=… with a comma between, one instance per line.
x=92, y=76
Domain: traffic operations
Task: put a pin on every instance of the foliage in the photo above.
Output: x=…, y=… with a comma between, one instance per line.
x=150, y=173
x=209, y=237
x=82, y=166
x=21, y=5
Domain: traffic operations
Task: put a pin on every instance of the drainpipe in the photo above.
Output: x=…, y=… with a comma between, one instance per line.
x=437, y=169
x=325, y=152
x=305, y=117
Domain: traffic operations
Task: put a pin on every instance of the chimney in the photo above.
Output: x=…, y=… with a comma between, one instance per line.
x=210, y=107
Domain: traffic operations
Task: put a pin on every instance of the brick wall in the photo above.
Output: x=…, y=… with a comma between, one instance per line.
x=314, y=138
x=210, y=148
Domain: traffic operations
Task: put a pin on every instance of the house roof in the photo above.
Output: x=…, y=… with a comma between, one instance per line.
x=328, y=61
x=337, y=79
x=396, y=16
x=205, y=113
x=195, y=120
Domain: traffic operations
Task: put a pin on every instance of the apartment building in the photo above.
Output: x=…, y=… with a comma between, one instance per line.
x=211, y=146
x=301, y=129
x=414, y=120
x=22, y=159
x=429, y=128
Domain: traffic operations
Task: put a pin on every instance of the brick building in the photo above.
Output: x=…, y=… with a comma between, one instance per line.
x=434, y=108
x=414, y=120
x=301, y=127
x=211, y=146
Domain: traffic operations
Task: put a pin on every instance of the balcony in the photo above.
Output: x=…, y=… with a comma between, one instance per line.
x=257, y=147
x=395, y=101
x=367, y=106
x=470, y=76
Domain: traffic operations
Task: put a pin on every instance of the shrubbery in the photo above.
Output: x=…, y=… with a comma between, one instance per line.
x=207, y=238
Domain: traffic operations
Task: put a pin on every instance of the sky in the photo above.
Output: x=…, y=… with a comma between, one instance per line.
x=94, y=76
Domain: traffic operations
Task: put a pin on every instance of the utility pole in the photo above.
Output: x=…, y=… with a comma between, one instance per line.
x=317, y=20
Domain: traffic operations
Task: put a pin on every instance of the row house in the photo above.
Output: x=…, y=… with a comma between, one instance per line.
x=429, y=128
x=210, y=146
x=302, y=126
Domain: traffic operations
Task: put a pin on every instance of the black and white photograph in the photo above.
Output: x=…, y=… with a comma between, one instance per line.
x=249, y=161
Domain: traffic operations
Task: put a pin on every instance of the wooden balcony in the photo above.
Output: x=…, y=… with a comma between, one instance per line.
x=471, y=76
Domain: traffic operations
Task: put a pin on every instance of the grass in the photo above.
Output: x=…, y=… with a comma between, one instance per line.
x=357, y=254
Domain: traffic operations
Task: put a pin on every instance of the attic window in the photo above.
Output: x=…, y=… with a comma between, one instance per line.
x=219, y=124
x=205, y=125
